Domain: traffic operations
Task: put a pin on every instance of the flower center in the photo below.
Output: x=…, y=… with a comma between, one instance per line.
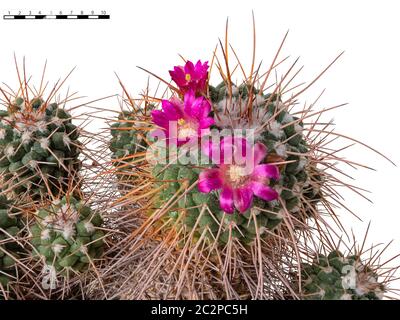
x=185, y=129
x=188, y=77
x=237, y=175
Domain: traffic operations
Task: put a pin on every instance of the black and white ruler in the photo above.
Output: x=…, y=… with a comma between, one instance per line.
x=19, y=14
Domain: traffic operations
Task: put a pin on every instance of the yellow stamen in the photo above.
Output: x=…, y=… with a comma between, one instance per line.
x=187, y=77
x=237, y=173
x=181, y=122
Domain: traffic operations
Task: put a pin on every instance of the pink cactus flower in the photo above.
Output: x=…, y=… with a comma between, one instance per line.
x=184, y=121
x=238, y=180
x=191, y=77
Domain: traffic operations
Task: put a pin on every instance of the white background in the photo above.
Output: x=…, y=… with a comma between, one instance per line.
x=152, y=33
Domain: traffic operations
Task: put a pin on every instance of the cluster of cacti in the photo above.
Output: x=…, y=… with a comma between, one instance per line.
x=39, y=148
x=222, y=193
x=66, y=234
x=10, y=229
x=339, y=277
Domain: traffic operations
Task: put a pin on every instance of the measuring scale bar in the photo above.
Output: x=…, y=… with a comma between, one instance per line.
x=59, y=16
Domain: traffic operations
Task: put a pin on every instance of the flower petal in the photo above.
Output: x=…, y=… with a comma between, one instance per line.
x=269, y=171
x=172, y=109
x=243, y=198
x=260, y=151
x=226, y=200
x=263, y=191
x=209, y=180
x=206, y=123
x=178, y=76
x=159, y=118
x=189, y=68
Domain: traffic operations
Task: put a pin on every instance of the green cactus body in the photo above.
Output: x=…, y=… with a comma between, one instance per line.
x=127, y=140
x=336, y=277
x=39, y=148
x=66, y=235
x=10, y=227
x=201, y=211
x=282, y=135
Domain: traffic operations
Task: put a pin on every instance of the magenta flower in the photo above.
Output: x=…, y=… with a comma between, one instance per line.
x=184, y=121
x=191, y=77
x=238, y=180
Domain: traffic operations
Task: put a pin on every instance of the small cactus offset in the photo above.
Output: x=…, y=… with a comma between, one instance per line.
x=339, y=277
x=39, y=148
x=66, y=235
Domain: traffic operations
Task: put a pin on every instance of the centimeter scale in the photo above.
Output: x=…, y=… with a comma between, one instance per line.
x=55, y=14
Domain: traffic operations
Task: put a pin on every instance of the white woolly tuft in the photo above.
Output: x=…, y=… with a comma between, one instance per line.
x=287, y=118
x=26, y=136
x=259, y=100
x=275, y=128
x=68, y=231
x=41, y=126
x=57, y=248
x=57, y=121
x=346, y=296
x=235, y=90
x=2, y=133
x=89, y=227
x=33, y=163
x=45, y=234
x=66, y=140
x=280, y=149
x=44, y=143
x=9, y=151
x=83, y=249
x=301, y=164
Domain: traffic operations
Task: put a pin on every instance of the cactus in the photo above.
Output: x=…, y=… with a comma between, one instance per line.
x=298, y=179
x=10, y=250
x=39, y=148
x=127, y=142
x=339, y=277
x=212, y=218
x=66, y=235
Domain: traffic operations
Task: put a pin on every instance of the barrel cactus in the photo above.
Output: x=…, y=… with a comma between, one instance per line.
x=67, y=235
x=39, y=148
x=277, y=137
x=10, y=250
x=338, y=277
